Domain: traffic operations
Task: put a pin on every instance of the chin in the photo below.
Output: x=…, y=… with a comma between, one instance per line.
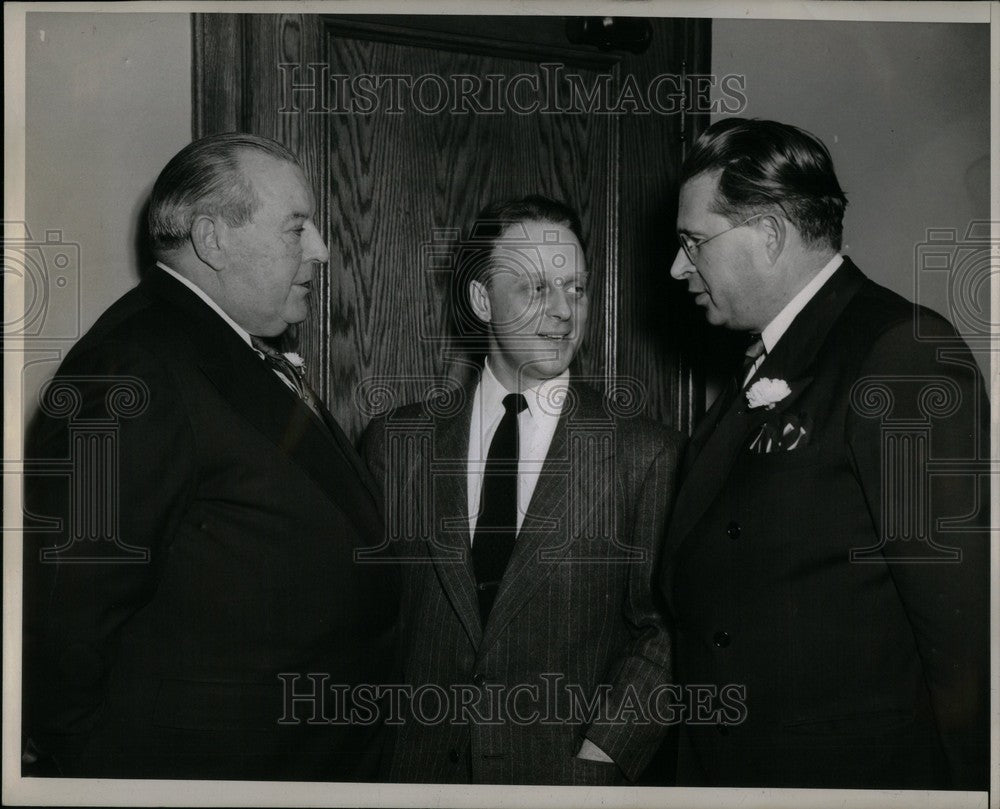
x=716, y=318
x=540, y=371
x=296, y=315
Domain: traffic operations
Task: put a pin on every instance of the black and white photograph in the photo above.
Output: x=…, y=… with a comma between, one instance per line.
x=494, y=404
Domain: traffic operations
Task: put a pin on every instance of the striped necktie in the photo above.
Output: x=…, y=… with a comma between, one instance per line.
x=292, y=374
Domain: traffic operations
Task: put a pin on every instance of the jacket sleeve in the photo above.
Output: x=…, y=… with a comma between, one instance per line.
x=646, y=664
x=917, y=433
x=110, y=457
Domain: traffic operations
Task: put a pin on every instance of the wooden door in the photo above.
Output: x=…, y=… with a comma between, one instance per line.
x=401, y=163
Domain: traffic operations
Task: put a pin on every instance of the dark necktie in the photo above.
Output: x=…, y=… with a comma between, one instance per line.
x=292, y=373
x=496, y=527
x=755, y=350
x=739, y=379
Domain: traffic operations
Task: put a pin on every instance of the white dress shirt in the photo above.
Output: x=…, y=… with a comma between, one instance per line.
x=536, y=426
x=774, y=330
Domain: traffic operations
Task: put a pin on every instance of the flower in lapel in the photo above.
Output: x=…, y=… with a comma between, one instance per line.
x=296, y=361
x=767, y=393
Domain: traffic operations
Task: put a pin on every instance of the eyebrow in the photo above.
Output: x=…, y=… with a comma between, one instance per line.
x=293, y=216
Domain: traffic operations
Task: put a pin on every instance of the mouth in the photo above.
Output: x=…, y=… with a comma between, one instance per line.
x=556, y=338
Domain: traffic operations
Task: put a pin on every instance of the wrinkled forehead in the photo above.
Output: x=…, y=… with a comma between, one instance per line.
x=536, y=248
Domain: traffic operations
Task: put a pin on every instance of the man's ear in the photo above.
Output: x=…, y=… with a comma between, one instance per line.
x=207, y=239
x=479, y=300
x=775, y=230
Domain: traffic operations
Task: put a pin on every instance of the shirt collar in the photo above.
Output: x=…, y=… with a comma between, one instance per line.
x=774, y=330
x=197, y=290
x=546, y=398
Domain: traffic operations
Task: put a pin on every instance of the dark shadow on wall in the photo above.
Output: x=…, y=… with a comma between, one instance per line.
x=142, y=248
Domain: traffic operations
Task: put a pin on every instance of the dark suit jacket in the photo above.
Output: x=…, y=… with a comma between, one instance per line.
x=237, y=517
x=574, y=611
x=812, y=577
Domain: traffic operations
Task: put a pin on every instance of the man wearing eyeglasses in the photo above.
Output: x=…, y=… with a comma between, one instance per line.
x=827, y=553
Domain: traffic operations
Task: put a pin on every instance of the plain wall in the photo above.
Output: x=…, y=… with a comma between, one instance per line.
x=904, y=110
x=108, y=102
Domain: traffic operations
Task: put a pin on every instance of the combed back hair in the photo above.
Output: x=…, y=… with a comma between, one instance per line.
x=765, y=164
x=205, y=177
x=475, y=250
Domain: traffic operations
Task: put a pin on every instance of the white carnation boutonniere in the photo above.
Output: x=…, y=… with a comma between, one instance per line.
x=297, y=362
x=767, y=393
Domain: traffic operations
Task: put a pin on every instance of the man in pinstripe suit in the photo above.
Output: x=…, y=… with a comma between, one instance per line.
x=534, y=650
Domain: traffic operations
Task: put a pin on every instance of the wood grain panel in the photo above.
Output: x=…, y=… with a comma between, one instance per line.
x=216, y=73
x=660, y=329
x=529, y=38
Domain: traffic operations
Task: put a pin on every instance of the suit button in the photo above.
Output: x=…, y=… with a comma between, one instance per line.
x=721, y=639
x=478, y=679
x=453, y=756
x=734, y=530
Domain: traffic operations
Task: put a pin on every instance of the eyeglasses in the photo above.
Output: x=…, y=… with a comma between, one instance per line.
x=691, y=248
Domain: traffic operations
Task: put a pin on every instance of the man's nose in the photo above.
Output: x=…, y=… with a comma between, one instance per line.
x=556, y=303
x=314, y=249
x=682, y=266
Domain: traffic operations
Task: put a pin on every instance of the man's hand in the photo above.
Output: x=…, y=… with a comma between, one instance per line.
x=592, y=752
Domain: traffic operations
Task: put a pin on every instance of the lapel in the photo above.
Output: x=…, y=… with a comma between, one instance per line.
x=569, y=487
x=250, y=387
x=703, y=430
x=790, y=360
x=448, y=543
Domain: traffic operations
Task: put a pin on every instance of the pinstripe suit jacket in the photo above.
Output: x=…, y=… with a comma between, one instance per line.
x=574, y=616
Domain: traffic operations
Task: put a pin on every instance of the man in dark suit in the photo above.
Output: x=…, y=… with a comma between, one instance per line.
x=828, y=550
x=191, y=590
x=527, y=511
